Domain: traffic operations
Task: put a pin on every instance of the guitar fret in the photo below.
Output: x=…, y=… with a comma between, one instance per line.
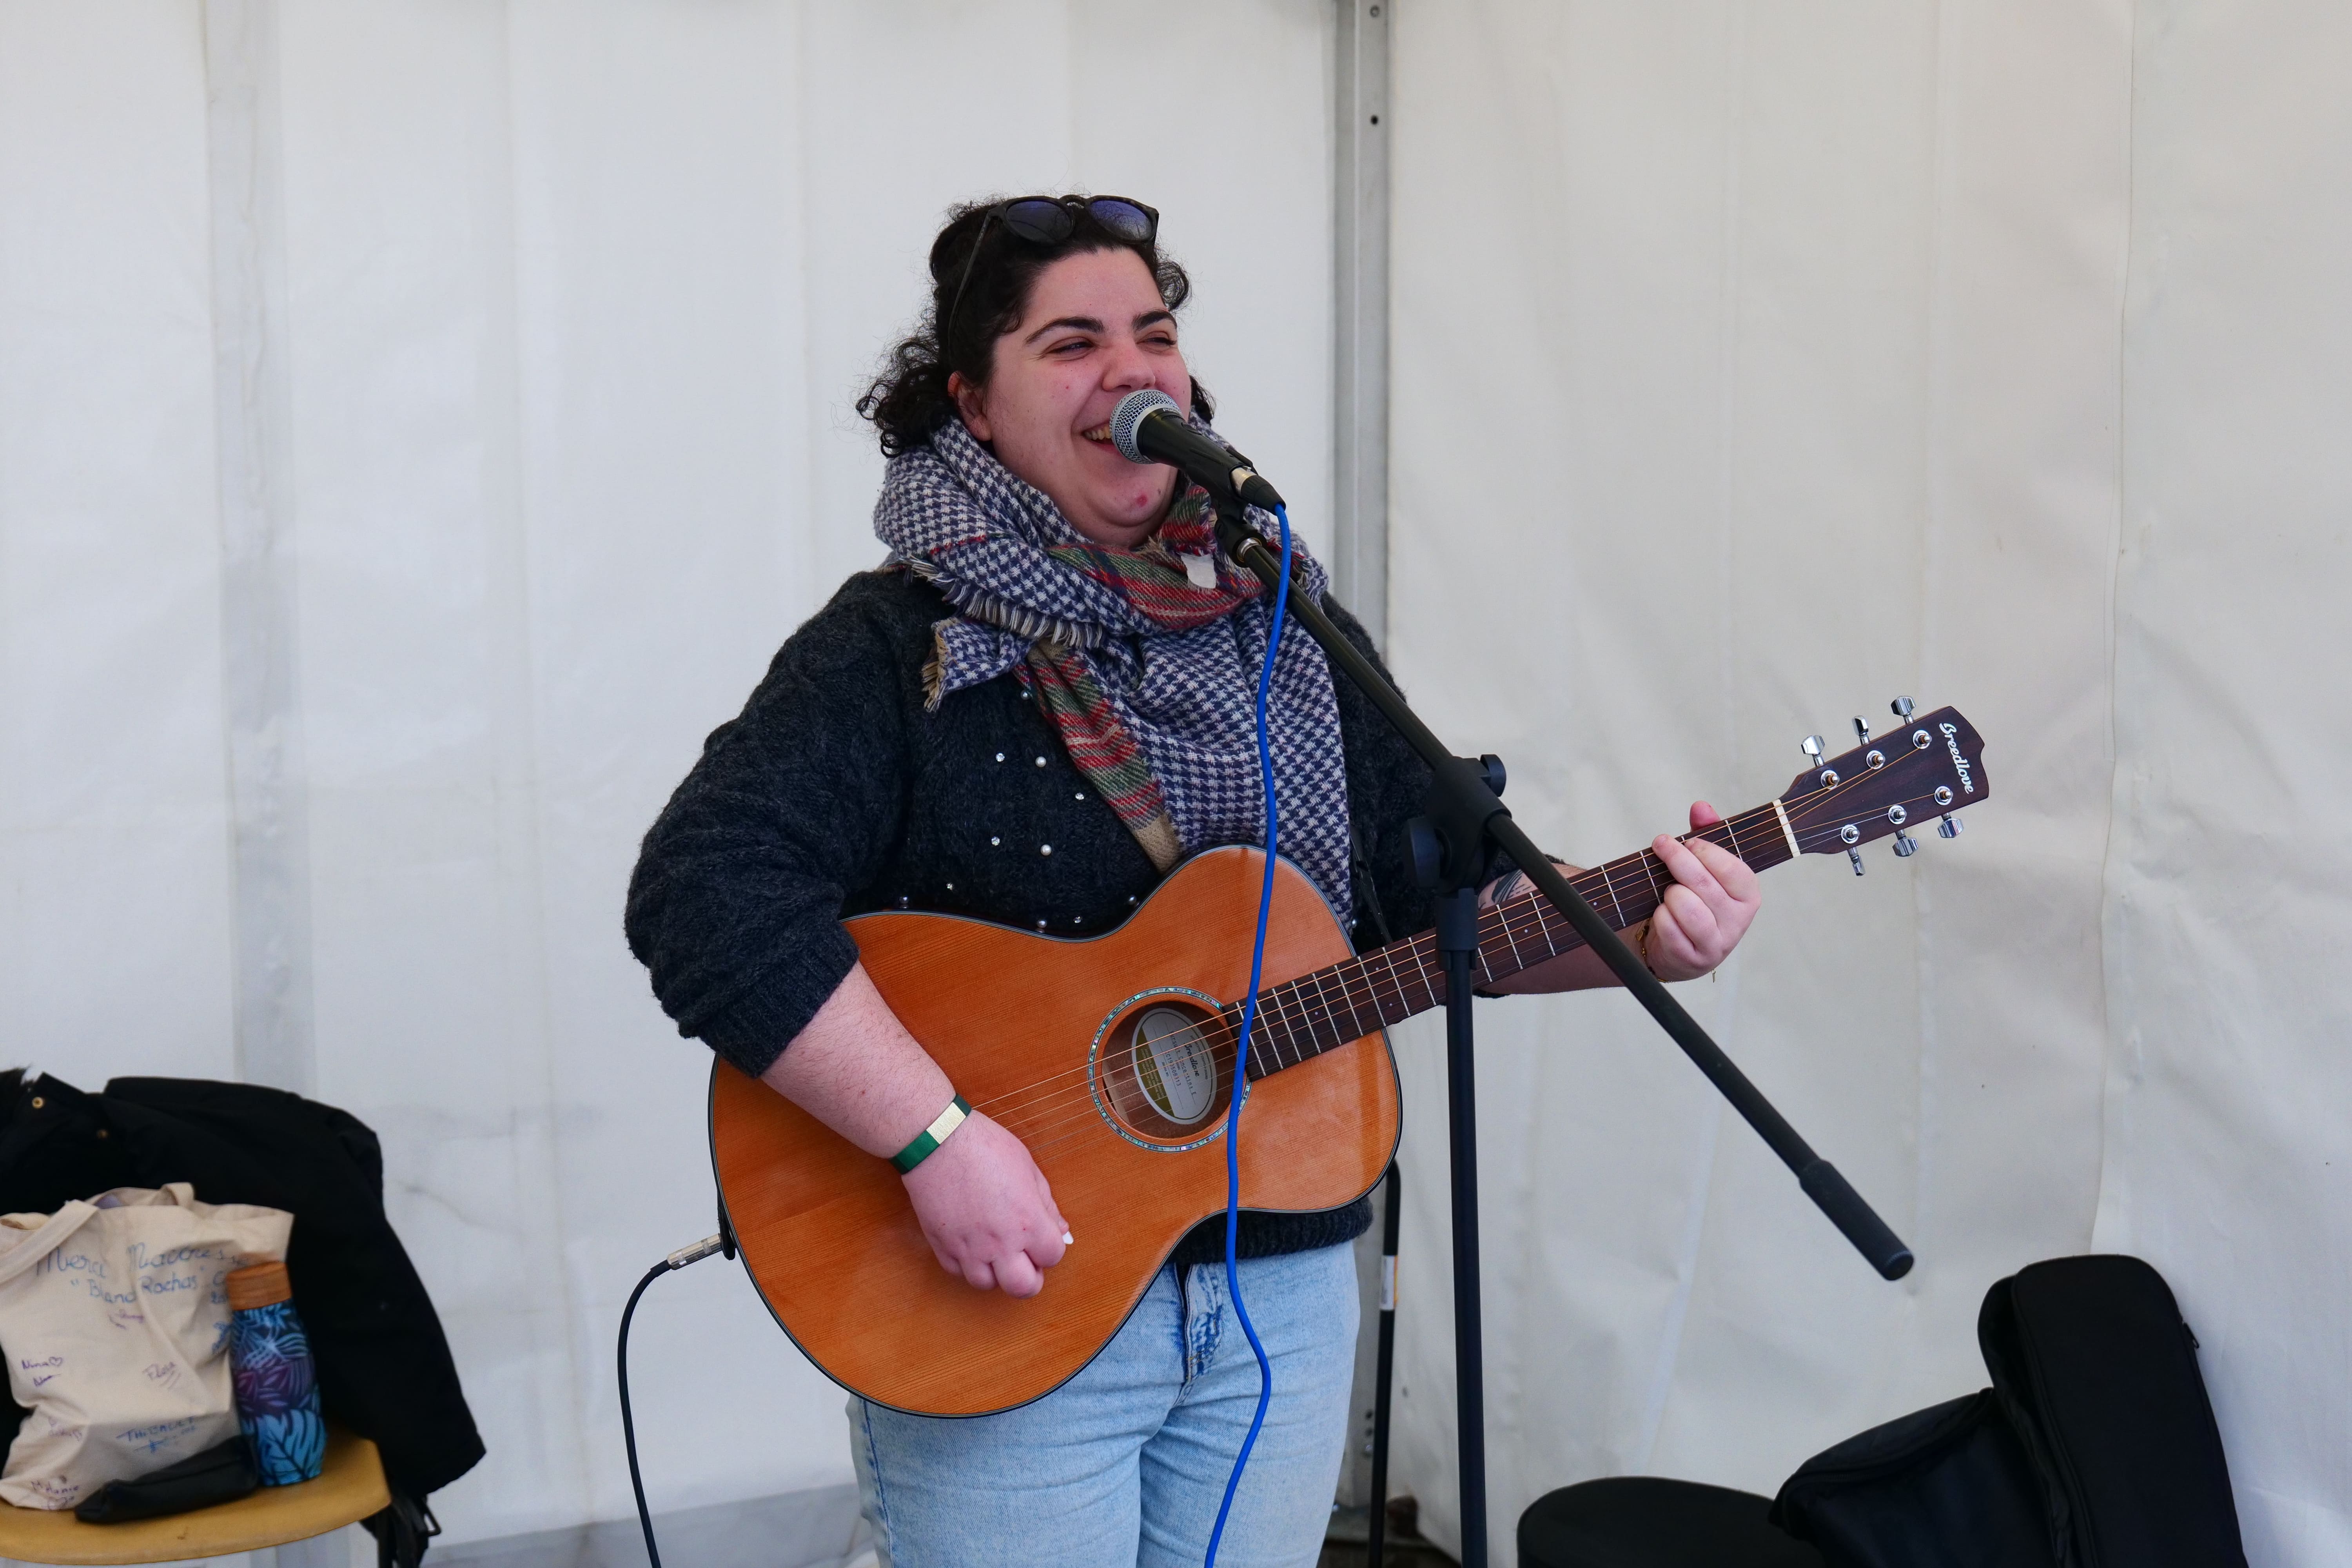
x=1541, y=907
x=1404, y=998
x=1270, y=1019
x=1609, y=881
x=1324, y=1020
x=1542, y=928
x=1270, y=1024
x=1420, y=974
x=1404, y=1002
x=1380, y=1003
x=1261, y=1042
x=1298, y=1024
x=1355, y=1019
x=1286, y=1008
x=1323, y=988
x=1421, y=969
x=1321, y=1011
x=1309, y=1042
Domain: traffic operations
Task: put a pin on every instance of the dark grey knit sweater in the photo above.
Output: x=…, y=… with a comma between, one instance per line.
x=835, y=792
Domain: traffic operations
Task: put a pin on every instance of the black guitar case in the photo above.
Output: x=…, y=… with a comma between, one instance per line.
x=2095, y=1446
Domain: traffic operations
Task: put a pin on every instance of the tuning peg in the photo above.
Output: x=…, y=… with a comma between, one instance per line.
x=1862, y=728
x=1812, y=746
x=1949, y=827
x=1855, y=856
x=1905, y=846
x=1901, y=709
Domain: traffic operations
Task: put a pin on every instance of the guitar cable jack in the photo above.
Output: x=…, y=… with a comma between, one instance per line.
x=724, y=1241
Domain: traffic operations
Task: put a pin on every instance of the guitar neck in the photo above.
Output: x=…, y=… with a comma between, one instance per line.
x=1302, y=1019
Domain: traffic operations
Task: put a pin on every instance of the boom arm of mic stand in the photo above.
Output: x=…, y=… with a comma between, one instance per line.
x=1821, y=1181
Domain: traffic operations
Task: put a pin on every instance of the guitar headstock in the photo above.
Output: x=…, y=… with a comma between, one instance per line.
x=1924, y=769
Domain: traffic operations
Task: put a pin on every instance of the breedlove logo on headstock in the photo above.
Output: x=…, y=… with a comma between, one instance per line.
x=1931, y=765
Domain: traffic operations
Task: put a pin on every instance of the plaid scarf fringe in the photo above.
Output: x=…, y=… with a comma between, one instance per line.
x=1102, y=749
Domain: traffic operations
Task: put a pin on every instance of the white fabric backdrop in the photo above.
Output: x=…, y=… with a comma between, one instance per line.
x=538, y=325
x=2228, y=1147
x=419, y=422
x=1793, y=356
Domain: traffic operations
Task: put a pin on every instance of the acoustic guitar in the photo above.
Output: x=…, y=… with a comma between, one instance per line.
x=1112, y=1057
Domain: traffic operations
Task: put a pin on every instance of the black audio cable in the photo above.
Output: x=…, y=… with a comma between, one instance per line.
x=723, y=1242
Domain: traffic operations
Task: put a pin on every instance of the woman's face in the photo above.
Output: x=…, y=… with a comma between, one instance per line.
x=1095, y=330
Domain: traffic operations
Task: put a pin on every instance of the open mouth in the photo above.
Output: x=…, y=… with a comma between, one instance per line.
x=1100, y=434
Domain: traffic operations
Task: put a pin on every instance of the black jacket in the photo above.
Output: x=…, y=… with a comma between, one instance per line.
x=385, y=1367
x=835, y=792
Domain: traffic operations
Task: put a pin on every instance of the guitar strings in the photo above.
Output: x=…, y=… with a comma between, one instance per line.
x=1504, y=916
x=1361, y=985
x=1094, y=1124
x=1357, y=984
x=1036, y=1116
x=1361, y=992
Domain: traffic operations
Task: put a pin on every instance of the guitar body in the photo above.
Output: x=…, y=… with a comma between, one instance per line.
x=1078, y=1045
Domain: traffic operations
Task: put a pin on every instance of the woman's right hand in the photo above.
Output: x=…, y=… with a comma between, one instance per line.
x=983, y=1203
x=987, y=1209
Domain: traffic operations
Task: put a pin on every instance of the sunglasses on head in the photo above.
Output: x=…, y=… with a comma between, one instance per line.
x=1049, y=220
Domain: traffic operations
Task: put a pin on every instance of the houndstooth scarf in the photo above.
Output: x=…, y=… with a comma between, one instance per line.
x=1148, y=666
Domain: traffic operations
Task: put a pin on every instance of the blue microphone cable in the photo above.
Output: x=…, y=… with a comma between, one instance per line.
x=1241, y=1050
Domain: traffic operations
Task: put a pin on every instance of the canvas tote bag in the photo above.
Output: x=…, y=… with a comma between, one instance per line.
x=115, y=1324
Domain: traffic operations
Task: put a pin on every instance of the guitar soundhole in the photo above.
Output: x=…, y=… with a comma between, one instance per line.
x=1163, y=1070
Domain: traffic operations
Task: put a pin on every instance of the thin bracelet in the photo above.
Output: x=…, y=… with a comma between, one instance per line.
x=929, y=1140
x=1641, y=950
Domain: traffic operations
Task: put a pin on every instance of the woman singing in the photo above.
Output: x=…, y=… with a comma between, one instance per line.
x=1030, y=714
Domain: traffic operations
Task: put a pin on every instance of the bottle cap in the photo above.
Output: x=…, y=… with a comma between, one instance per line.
x=260, y=1285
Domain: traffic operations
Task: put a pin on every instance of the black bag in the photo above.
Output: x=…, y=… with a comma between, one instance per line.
x=221, y=1473
x=2098, y=1375
x=1946, y=1486
x=2096, y=1447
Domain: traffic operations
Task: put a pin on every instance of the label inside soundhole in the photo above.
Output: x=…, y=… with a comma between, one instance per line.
x=1174, y=1066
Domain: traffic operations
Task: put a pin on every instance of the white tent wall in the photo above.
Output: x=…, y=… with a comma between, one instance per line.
x=1754, y=364
x=2228, y=1149
x=421, y=424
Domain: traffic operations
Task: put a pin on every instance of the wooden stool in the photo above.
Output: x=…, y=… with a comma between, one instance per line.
x=350, y=1489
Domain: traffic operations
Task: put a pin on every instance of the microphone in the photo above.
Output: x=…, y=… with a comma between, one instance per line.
x=1148, y=428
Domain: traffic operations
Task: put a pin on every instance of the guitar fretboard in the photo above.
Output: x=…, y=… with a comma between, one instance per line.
x=1302, y=1019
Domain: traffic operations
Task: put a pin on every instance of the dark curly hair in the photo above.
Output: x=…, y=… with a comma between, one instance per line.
x=908, y=399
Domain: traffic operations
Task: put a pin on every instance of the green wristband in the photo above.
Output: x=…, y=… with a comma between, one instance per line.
x=931, y=1137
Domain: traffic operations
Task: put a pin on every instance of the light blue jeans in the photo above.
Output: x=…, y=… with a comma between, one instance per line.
x=1124, y=1465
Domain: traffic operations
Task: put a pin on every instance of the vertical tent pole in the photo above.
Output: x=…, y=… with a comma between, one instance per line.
x=1360, y=408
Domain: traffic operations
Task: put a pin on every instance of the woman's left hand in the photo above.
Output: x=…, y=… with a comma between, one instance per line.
x=1708, y=908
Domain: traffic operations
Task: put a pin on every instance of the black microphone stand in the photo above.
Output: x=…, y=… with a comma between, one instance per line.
x=1464, y=819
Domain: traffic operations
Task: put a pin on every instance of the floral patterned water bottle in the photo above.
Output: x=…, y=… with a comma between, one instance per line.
x=276, y=1383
